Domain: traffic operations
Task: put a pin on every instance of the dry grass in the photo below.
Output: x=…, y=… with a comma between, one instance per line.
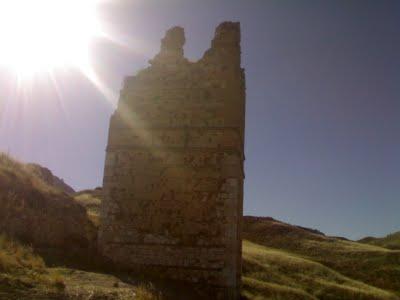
x=19, y=265
x=91, y=285
x=147, y=292
x=23, y=275
x=285, y=262
x=373, y=265
x=277, y=274
x=35, y=212
x=12, y=173
x=391, y=241
x=15, y=258
x=91, y=200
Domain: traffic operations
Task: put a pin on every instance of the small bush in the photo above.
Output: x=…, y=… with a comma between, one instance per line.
x=147, y=292
x=16, y=258
x=59, y=283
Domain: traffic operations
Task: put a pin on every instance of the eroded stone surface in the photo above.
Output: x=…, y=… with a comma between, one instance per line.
x=173, y=181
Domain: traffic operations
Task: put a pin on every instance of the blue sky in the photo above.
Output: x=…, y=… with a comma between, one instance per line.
x=323, y=104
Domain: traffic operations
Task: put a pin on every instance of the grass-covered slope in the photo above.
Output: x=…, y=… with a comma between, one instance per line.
x=391, y=241
x=280, y=261
x=24, y=275
x=372, y=265
x=47, y=176
x=283, y=261
x=278, y=274
x=34, y=211
x=91, y=200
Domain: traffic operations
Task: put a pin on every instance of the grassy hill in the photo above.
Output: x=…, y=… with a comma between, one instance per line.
x=35, y=211
x=283, y=261
x=91, y=200
x=391, y=241
x=346, y=264
x=280, y=261
x=271, y=273
x=47, y=176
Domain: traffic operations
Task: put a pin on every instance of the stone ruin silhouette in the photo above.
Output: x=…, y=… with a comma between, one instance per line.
x=173, y=182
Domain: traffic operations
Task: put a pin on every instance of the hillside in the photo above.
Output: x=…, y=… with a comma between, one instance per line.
x=271, y=273
x=283, y=261
x=391, y=241
x=47, y=176
x=280, y=261
x=91, y=200
x=39, y=213
x=373, y=265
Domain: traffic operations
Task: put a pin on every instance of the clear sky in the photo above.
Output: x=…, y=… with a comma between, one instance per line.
x=323, y=104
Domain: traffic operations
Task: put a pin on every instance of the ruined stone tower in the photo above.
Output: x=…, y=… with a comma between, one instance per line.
x=174, y=175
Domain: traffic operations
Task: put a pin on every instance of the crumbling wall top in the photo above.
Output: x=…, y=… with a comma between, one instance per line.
x=174, y=40
x=227, y=33
x=225, y=47
x=171, y=51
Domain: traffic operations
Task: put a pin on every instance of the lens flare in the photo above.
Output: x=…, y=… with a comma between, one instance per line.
x=43, y=35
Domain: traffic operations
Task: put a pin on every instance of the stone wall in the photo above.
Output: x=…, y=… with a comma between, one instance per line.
x=174, y=175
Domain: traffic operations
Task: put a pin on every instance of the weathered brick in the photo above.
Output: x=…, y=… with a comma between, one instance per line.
x=173, y=179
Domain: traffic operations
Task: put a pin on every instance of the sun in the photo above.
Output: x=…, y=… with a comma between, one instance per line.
x=43, y=35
